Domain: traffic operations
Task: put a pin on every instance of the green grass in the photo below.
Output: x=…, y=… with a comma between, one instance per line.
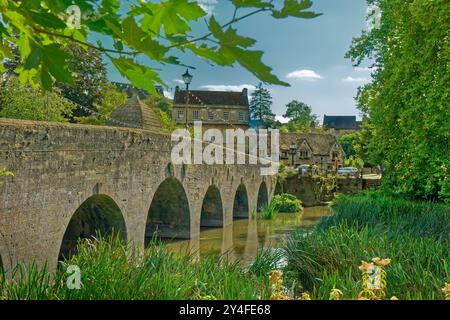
x=413, y=235
x=269, y=212
x=109, y=271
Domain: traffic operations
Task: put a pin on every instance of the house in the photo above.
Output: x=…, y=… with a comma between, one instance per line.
x=216, y=109
x=341, y=125
x=321, y=149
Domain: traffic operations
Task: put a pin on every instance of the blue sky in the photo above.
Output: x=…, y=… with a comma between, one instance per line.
x=309, y=54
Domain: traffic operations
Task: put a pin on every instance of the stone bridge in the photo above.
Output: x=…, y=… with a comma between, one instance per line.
x=73, y=181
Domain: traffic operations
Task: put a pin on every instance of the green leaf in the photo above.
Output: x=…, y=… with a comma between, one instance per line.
x=252, y=3
x=136, y=38
x=172, y=15
x=252, y=61
x=47, y=20
x=230, y=36
x=294, y=8
x=140, y=76
x=56, y=61
x=46, y=79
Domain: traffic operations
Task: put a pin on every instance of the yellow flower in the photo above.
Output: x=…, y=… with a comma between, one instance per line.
x=446, y=291
x=275, y=277
x=336, y=294
x=365, y=266
x=381, y=262
x=394, y=298
x=305, y=296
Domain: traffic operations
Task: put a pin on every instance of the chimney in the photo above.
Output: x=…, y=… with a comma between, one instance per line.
x=245, y=95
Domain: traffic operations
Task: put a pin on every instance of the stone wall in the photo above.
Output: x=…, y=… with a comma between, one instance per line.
x=58, y=167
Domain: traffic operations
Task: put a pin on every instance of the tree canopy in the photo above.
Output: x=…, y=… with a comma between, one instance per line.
x=300, y=116
x=260, y=107
x=159, y=31
x=407, y=103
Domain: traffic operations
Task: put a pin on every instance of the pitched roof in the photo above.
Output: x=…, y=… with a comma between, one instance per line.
x=223, y=98
x=340, y=122
x=320, y=143
x=135, y=114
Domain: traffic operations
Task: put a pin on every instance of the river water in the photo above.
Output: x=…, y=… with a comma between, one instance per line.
x=242, y=240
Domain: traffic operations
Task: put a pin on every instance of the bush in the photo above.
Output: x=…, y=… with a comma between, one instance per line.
x=287, y=203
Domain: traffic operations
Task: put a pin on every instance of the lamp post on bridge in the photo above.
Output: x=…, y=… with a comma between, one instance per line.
x=187, y=79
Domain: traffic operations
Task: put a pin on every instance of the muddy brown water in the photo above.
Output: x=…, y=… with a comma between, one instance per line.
x=242, y=240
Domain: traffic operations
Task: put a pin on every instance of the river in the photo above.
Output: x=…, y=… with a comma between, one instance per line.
x=242, y=240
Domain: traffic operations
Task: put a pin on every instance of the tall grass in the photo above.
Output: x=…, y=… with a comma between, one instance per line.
x=269, y=211
x=414, y=235
x=391, y=214
x=109, y=271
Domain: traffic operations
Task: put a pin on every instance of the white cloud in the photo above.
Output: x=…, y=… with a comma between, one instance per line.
x=363, y=69
x=168, y=94
x=308, y=75
x=208, y=5
x=352, y=79
x=223, y=87
x=178, y=81
x=282, y=119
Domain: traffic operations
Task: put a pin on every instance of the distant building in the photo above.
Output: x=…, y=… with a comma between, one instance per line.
x=135, y=114
x=216, y=109
x=341, y=125
x=130, y=90
x=321, y=149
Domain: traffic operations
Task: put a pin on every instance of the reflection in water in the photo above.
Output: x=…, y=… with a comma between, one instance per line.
x=241, y=240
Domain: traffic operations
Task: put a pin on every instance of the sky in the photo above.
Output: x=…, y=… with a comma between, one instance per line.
x=307, y=53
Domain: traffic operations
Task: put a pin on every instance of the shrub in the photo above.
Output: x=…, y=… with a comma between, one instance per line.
x=287, y=203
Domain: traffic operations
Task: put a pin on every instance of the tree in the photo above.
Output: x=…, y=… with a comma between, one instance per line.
x=89, y=77
x=111, y=99
x=348, y=142
x=300, y=115
x=20, y=102
x=407, y=101
x=260, y=107
x=153, y=30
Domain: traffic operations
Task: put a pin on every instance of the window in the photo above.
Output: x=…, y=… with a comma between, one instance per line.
x=284, y=155
x=180, y=115
x=304, y=154
x=210, y=115
x=335, y=155
x=226, y=115
x=195, y=115
x=241, y=116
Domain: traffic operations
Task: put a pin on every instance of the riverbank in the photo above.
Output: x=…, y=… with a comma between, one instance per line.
x=413, y=235
x=109, y=272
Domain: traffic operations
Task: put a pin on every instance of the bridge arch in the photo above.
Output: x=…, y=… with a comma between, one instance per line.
x=263, y=197
x=212, y=209
x=278, y=188
x=240, y=206
x=97, y=215
x=169, y=214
